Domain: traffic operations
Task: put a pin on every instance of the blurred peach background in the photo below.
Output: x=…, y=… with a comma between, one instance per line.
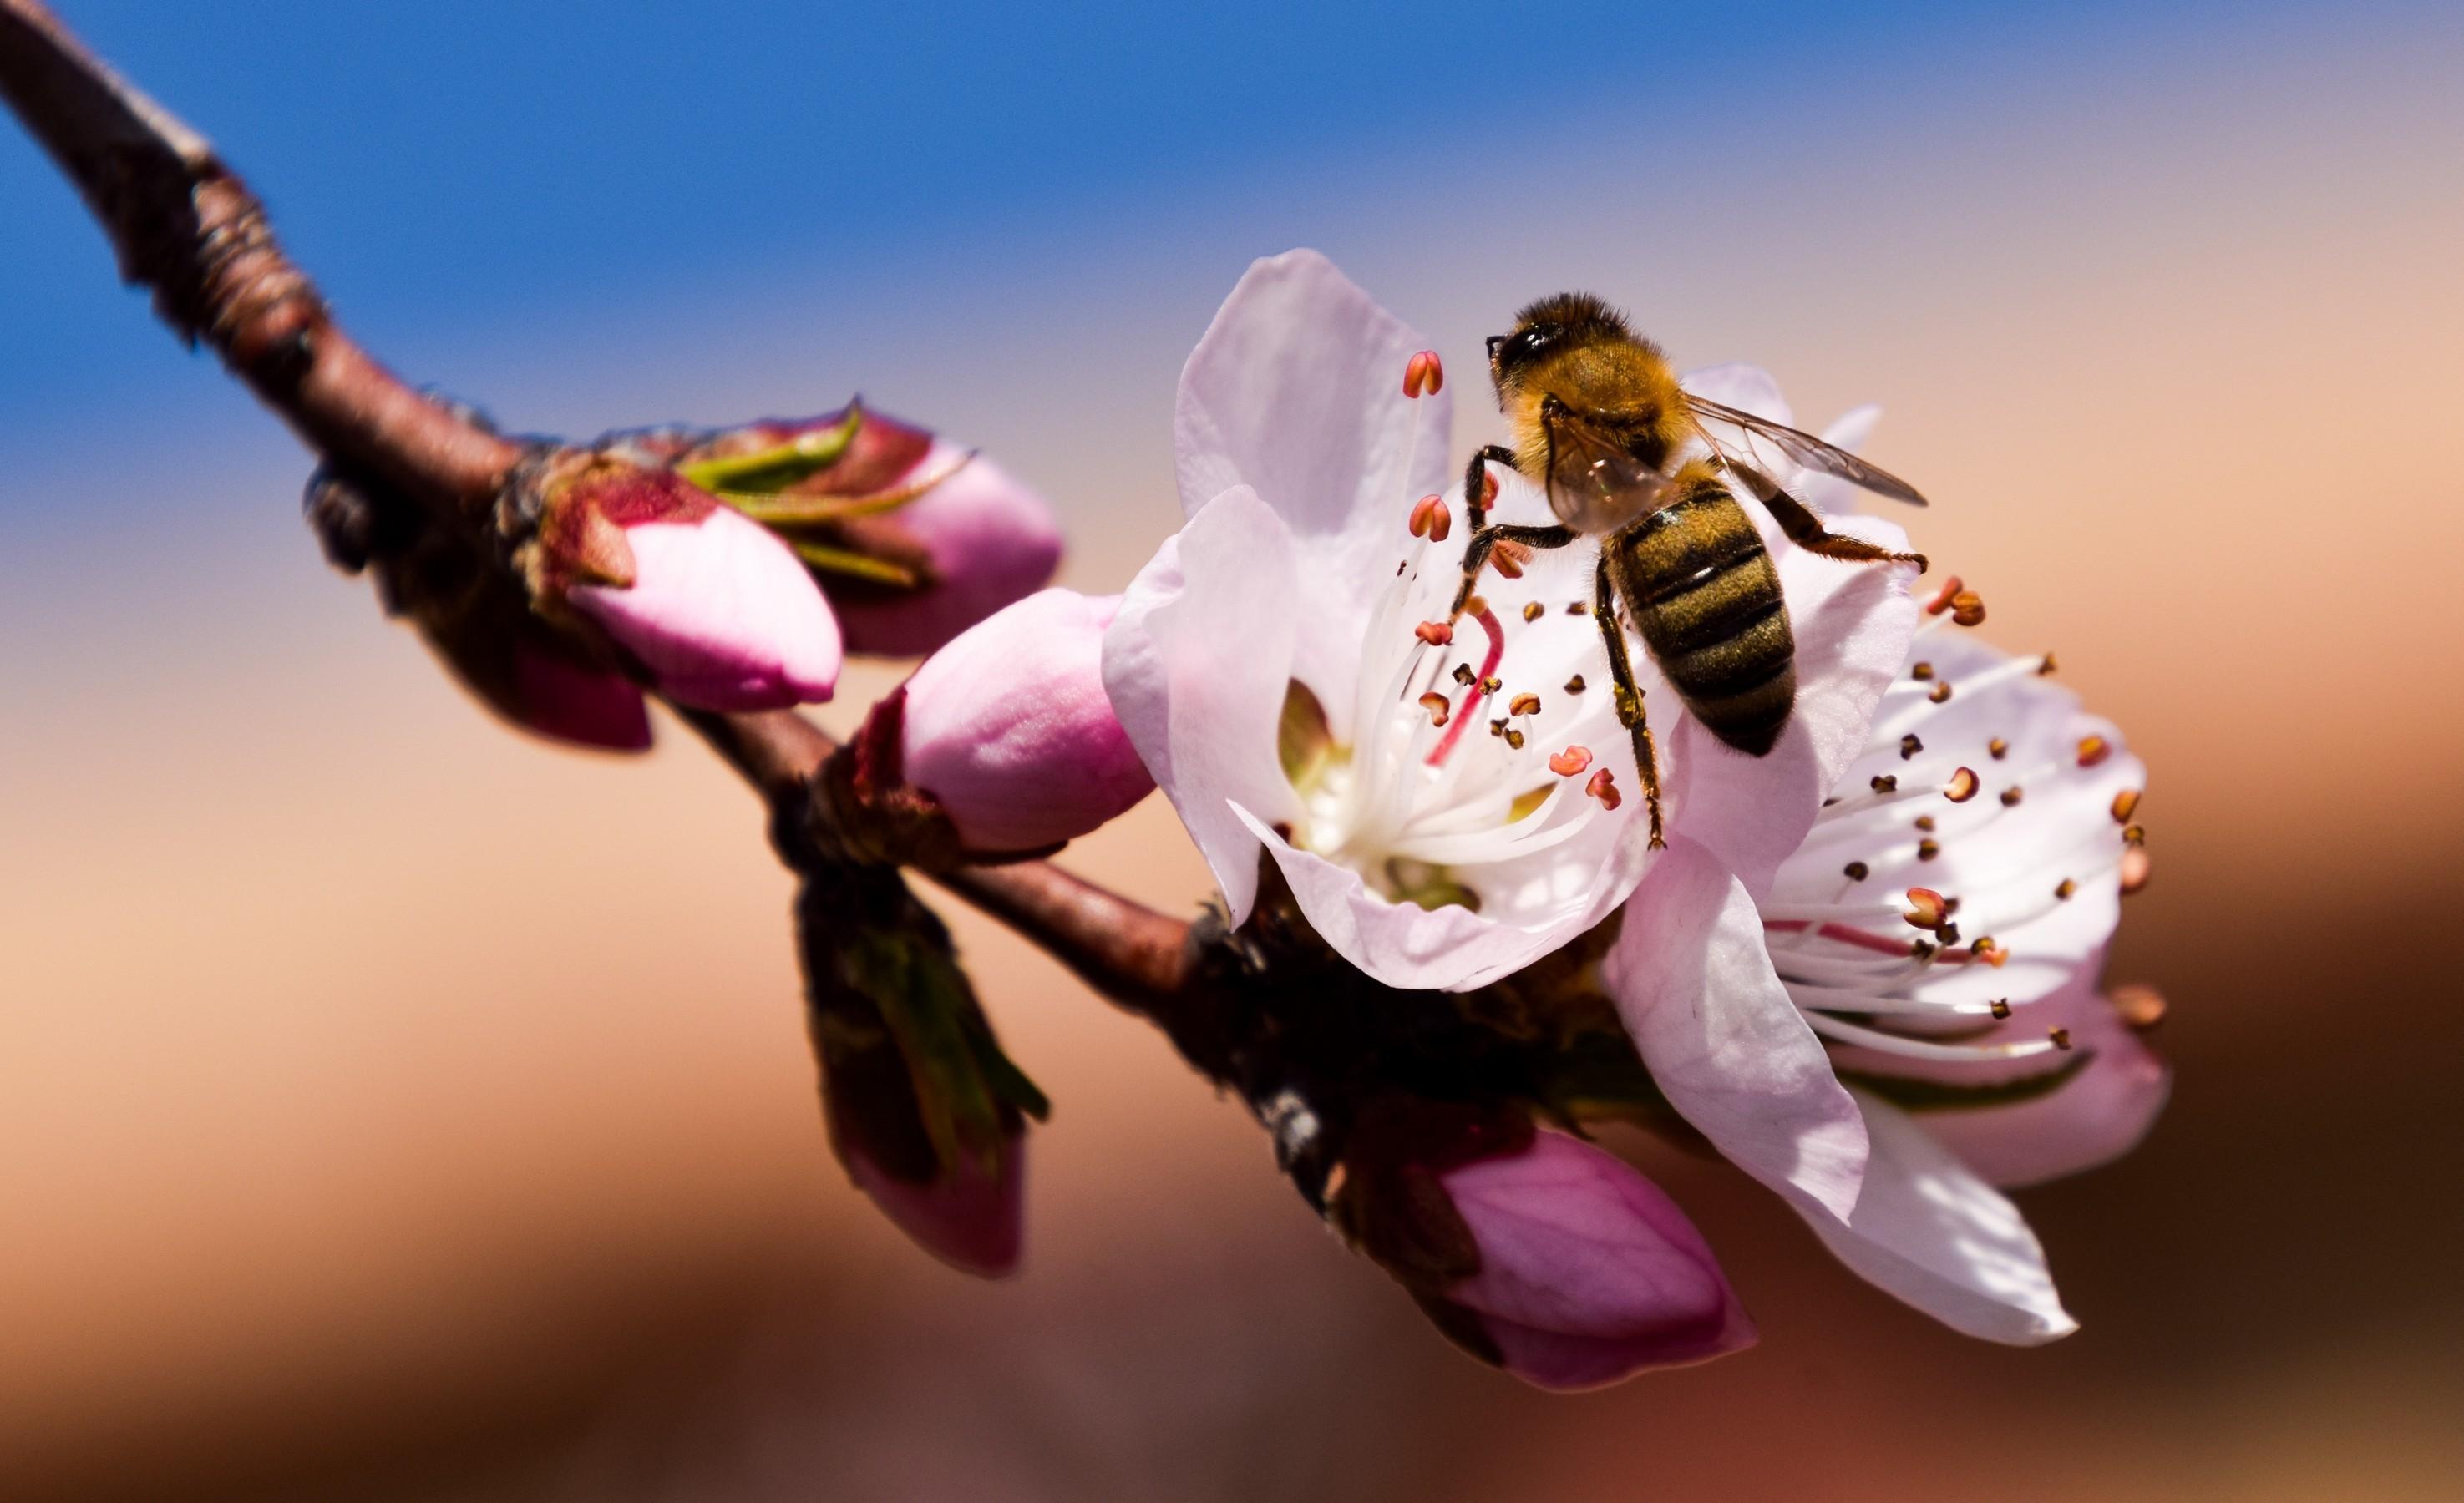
x=392, y=1108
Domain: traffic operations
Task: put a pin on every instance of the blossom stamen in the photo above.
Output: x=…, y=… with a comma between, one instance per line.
x=1423, y=375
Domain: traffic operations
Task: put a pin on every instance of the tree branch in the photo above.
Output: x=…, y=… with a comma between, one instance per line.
x=186, y=227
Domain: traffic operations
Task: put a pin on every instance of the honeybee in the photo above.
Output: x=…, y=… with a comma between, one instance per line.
x=1598, y=420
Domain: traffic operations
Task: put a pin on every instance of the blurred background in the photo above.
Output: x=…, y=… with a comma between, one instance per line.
x=392, y=1108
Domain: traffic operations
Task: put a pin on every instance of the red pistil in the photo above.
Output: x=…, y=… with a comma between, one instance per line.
x=1488, y=670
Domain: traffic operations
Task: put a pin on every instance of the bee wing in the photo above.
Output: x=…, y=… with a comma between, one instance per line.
x=1594, y=485
x=1808, y=450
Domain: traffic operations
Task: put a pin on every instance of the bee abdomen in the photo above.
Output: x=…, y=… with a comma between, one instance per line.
x=1706, y=602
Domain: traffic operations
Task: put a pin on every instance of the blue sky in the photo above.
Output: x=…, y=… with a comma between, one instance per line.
x=480, y=184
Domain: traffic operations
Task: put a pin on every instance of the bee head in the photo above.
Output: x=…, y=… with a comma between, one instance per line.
x=1551, y=324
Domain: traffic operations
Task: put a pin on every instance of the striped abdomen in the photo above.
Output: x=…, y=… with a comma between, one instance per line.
x=1706, y=600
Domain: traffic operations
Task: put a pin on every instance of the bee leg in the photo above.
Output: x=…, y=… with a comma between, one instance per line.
x=1806, y=530
x=1485, y=542
x=1629, y=694
x=1476, y=483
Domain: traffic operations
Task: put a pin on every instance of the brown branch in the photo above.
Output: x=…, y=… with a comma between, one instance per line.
x=186, y=227
x=1132, y=954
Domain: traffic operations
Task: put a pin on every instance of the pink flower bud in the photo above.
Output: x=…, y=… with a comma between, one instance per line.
x=554, y=696
x=971, y=538
x=1008, y=731
x=716, y=608
x=966, y=1217
x=987, y=541
x=1588, y=1273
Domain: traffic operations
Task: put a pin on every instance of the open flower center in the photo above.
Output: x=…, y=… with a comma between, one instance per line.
x=1462, y=751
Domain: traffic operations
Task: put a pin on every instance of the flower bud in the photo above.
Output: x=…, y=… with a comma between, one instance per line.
x=1534, y=1250
x=553, y=695
x=1589, y=1273
x=987, y=541
x=718, y=610
x=925, y=1111
x=1008, y=731
x=968, y=1217
x=969, y=541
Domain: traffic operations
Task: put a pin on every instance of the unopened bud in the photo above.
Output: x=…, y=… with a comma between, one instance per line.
x=1007, y=728
x=1534, y=1250
x=925, y=1111
x=714, y=607
x=969, y=1216
x=952, y=537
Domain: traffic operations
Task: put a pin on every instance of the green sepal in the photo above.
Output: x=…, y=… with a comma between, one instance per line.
x=961, y=1078
x=770, y=470
x=847, y=562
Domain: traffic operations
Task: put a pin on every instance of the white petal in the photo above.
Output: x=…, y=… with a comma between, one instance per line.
x=1934, y=1235
x=1197, y=664
x=2003, y=862
x=2097, y=1116
x=1296, y=391
x=1694, y=983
